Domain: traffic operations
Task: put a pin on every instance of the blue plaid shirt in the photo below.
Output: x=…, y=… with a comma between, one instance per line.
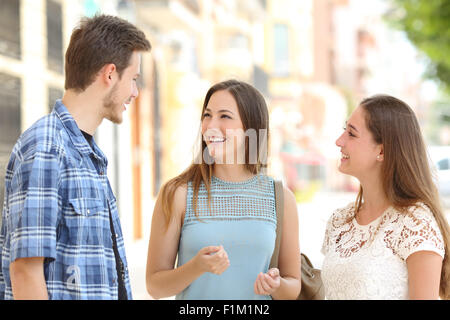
x=56, y=206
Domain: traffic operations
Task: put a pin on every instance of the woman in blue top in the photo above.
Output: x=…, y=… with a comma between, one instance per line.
x=218, y=216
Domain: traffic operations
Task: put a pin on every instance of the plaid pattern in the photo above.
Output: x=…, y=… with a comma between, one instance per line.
x=56, y=206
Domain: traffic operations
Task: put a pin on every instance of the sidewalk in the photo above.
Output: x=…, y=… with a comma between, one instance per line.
x=313, y=217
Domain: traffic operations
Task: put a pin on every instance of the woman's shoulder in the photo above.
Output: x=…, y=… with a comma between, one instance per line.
x=342, y=215
x=418, y=214
x=417, y=229
x=176, y=193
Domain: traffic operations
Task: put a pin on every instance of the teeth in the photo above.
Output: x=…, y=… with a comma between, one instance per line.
x=216, y=140
x=345, y=156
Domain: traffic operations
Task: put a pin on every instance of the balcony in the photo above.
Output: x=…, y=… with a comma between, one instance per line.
x=167, y=15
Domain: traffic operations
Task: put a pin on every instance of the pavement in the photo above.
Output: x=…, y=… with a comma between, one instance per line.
x=313, y=217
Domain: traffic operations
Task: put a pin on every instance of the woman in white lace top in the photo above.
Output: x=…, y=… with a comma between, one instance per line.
x=393, y=242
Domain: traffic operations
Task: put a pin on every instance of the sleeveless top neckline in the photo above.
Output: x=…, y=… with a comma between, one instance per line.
x=242, y=219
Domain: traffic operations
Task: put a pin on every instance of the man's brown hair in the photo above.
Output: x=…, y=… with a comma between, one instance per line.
x=97, y=41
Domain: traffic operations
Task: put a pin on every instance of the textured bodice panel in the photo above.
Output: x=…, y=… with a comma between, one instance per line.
x=242, y=218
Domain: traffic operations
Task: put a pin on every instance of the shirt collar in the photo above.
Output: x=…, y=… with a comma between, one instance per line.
x=75, y=133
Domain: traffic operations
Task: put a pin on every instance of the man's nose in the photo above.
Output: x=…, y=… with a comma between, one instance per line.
x=135, y=92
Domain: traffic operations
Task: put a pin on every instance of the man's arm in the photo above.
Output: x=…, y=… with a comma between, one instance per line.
x=27, y=279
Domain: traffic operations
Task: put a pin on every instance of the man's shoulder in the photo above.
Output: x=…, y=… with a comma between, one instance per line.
x=45, y=135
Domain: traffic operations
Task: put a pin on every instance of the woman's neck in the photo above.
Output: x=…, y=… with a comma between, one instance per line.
x=232, y=172
x=374, y=203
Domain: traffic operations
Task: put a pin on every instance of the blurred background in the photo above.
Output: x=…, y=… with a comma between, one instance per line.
x=313, y=60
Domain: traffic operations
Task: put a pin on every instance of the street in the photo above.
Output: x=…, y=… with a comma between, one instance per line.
x=313, y=217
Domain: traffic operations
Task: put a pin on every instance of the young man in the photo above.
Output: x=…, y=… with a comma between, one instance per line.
x=60, y=235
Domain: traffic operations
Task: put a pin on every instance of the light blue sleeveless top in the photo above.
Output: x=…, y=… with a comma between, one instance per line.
x=243, y=220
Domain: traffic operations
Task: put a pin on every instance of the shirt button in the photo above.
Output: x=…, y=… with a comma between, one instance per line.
x=88, y=211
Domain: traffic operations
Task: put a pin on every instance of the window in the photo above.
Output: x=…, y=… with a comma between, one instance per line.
x=54, y=36
x=53, y=94
x=10, y=91
x=193, y=5
x=261, y=80
x=157, y=145
x=444, y=164
x=281, y=54
x=263, y=3
x=10, y=28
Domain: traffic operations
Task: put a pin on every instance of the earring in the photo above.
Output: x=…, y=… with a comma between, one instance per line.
x=378, y=157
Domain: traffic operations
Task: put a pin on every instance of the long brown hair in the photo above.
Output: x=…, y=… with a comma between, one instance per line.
x=406, y=173
x=254, y=115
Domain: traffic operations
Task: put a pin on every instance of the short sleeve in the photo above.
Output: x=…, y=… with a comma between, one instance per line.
x=326, y=238
x=33, y=206
x=419, y=232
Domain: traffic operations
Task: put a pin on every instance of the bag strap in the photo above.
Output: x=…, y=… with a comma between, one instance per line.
x=279, y=208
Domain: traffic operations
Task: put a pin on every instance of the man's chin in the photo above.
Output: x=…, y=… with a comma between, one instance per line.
x=116, y=119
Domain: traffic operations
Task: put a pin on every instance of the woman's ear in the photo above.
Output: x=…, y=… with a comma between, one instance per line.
x=380, y=156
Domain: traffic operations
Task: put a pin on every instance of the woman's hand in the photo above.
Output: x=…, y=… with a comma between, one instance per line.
x=213, y=259
x=267, y=283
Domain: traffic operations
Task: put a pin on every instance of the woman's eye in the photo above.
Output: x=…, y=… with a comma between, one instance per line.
x=206, y=115
x=349, y=133
x=225, y=116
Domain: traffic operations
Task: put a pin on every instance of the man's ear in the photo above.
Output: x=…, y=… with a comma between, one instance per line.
x=108, y=73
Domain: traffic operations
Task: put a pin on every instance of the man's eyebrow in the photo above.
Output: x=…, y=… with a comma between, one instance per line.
x=351, y=126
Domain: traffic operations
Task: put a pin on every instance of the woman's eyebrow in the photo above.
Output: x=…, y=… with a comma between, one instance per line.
x=220, y=111
x=351, y=126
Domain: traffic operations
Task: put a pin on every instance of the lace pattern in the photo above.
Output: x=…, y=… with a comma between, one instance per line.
x=369, y=261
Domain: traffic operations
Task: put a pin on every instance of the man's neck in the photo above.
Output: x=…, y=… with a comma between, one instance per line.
x=84, y=108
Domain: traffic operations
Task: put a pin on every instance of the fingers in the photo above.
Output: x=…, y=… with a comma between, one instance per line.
x=220, y=261
x=259, y=288
x=210, y=249
x=268, y=283
x=216, y=259
x=274, y=272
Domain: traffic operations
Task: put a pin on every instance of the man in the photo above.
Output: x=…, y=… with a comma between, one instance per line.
x=61, y=236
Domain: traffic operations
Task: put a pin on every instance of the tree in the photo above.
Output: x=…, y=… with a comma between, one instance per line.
x=427, y=25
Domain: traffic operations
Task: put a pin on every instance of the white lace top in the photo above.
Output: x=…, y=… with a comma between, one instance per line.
x=369, y=261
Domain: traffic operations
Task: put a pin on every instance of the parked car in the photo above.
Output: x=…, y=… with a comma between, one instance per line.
x=440, y=157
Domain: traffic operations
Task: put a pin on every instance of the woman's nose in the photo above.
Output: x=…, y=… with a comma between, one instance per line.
x=339, y=141
x=212, y=123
